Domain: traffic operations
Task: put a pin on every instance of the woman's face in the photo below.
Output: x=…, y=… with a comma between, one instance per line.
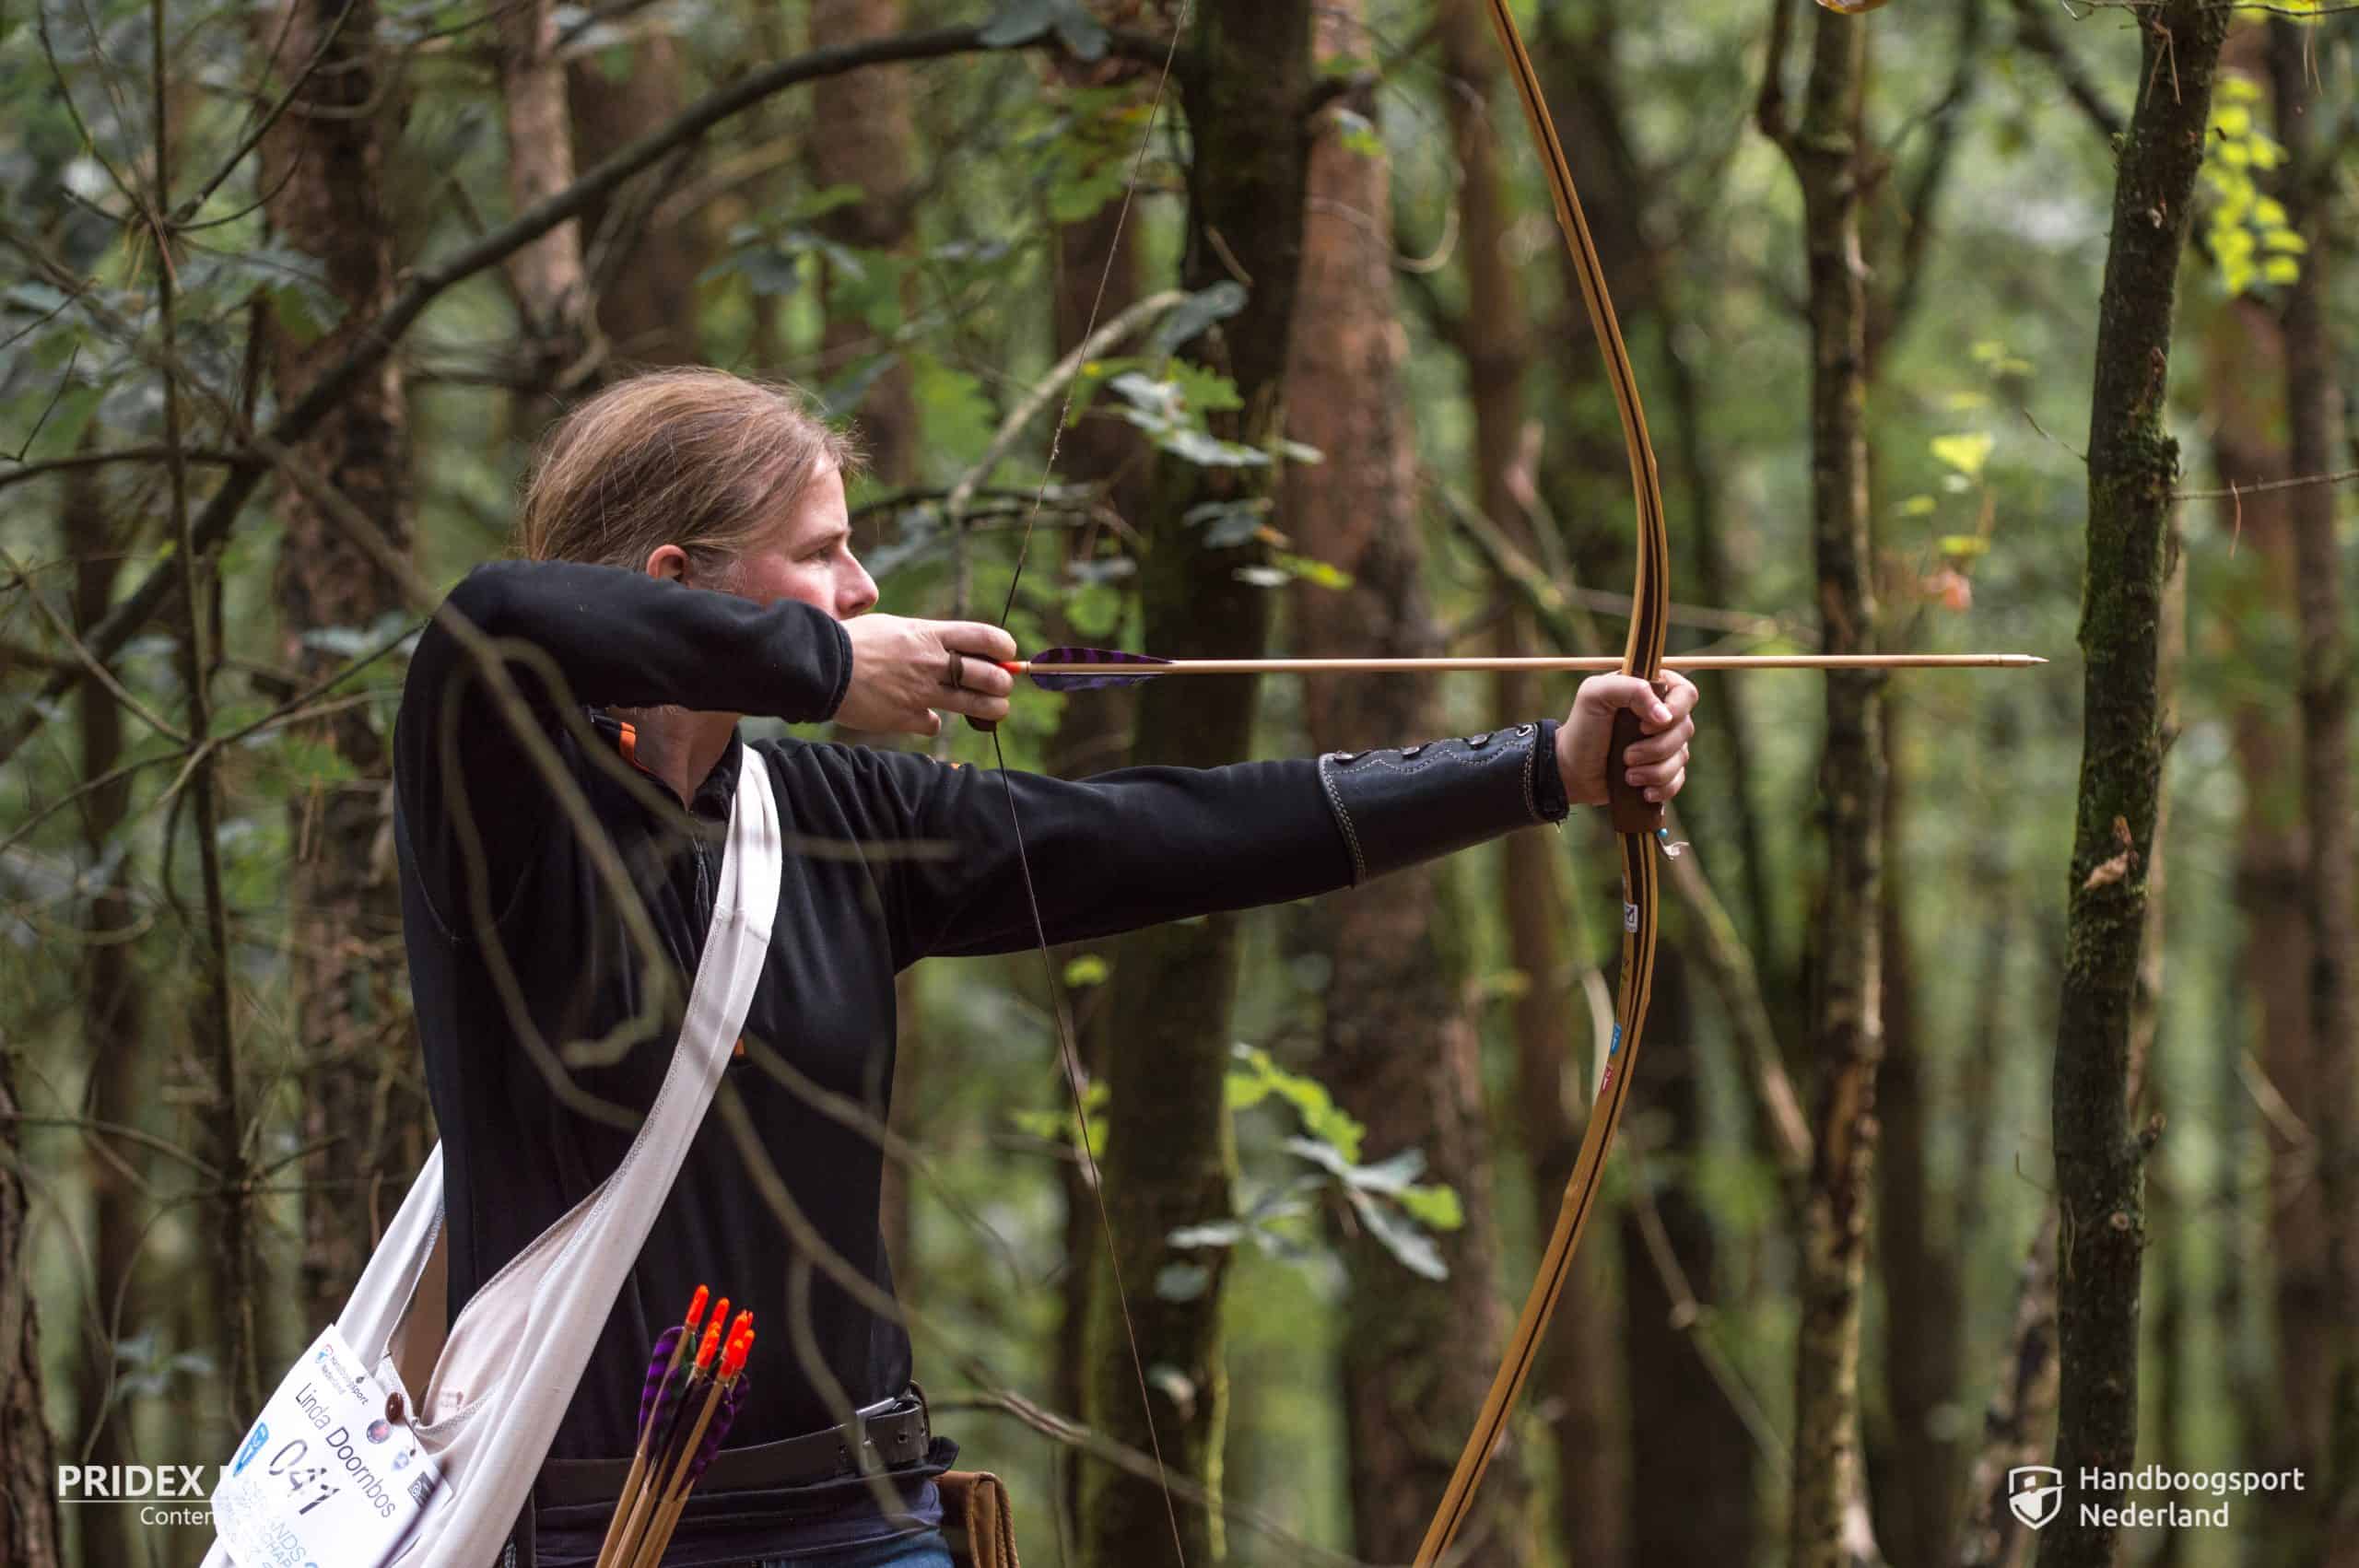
x=807, y=553
x=804, y=553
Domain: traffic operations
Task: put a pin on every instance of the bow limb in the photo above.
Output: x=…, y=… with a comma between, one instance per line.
x=1636, y=820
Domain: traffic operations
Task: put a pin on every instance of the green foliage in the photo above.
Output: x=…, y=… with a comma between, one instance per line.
x=1257, y=1078
x=2245, y=229
x=1063, y=1126
x=1386, y=1197
x=1083, y=143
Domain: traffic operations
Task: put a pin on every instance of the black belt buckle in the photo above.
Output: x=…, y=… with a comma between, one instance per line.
x=889, y=1435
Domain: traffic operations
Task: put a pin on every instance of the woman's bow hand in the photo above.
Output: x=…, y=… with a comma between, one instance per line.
x=1657, y=761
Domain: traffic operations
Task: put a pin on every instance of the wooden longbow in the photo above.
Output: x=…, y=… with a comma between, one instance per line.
x=1636, y=819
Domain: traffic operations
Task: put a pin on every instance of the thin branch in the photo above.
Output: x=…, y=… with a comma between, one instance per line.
x=1044, y=392
x=98, y=671
x=2233, y=492
x=22, y=471
x=246, y=144
x=2036, y=30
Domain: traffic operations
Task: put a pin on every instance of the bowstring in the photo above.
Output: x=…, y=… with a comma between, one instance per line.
x=1067, y=1052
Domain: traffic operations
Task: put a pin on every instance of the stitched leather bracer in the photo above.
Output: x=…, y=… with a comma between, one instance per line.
x=1399, y=807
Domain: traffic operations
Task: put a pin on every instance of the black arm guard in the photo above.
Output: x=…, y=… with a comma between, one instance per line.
x=1397, y=808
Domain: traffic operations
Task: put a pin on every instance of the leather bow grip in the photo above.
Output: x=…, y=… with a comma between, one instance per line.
x=1626, y=803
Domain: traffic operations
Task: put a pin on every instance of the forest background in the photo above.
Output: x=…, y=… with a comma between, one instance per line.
x=1996, y=1107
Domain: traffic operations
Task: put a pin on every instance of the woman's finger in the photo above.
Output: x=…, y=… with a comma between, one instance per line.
x=1655, y=748
x=979, y=674
x=976, y=704
x=979, y=638
x=1657, y=773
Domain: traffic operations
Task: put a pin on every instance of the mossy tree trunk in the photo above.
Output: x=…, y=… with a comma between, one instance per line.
x=1825, y=1526
x=1170, y=1158
x=2134, y=469
x=29, y=1536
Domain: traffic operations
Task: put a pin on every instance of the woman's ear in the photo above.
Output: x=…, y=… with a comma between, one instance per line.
x=668, y=561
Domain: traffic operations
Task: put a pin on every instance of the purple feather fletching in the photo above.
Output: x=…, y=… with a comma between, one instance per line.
x=1088, y=657
x=655, y=1392
x=721, y=1416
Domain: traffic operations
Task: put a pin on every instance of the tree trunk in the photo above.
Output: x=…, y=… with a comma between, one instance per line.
x=1170, y=1159
x=2015, y=1417
x=1397, y=1045
x=114, y=1033
x=648, y=266
x=1826, y=1529
x=2322, y=679
x=1686, y=1426
x=2244, y=373
x=1917, y=1251
x=364, y=1113
x=863, y=121
x=29, y=1536
x=555, y=328
x=2134, y=469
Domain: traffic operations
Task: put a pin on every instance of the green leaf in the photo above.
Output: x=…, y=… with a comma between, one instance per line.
x=1228, y=524
x=1183, y=323
x=1355, y=136
x=1016, y=22
x=1086, y=970
x=1414, y=1248
x=1310, y=569
x=1918, y=505
x=1966, y=453
x=1960, y=545
x=1206, y=451
x=1436, y=1208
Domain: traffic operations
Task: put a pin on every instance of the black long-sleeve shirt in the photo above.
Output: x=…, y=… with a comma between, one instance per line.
x=490, y=868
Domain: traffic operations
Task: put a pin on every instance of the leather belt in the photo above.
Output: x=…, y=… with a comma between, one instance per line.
x=891, y=1433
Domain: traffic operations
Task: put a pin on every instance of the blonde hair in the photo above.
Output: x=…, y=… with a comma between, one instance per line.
x=693, y=457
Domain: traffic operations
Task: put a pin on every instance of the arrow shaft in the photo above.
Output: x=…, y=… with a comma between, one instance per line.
x=1434, y=666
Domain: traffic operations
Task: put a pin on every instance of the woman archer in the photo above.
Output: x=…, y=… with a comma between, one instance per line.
x=686, y=561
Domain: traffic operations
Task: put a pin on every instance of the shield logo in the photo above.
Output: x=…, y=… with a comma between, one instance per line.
x=2036, y=1493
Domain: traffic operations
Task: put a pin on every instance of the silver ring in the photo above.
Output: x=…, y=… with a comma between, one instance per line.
x=956, y=673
